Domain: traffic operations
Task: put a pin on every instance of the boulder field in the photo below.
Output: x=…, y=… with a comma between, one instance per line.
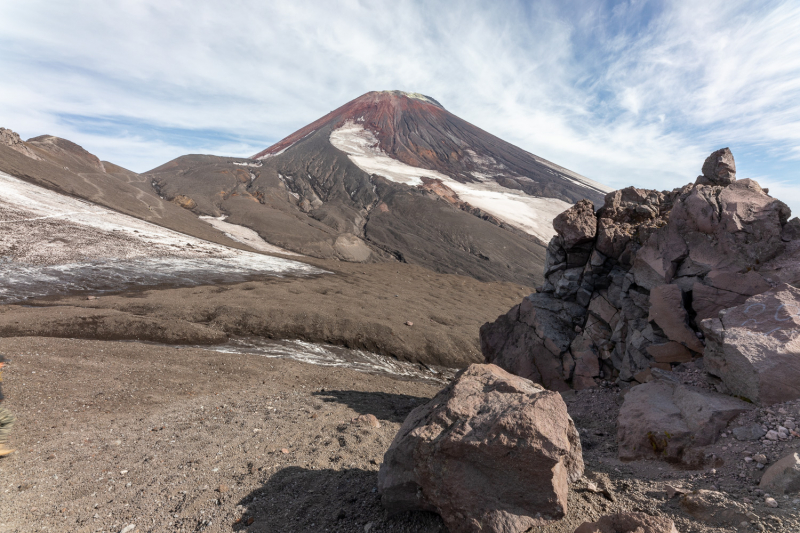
x=655, y=279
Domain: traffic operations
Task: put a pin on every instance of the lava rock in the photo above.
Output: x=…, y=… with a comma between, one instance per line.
x=784, y=476
x=577, y=225
x=755, y=347
x=491, y=452
x=666, y=420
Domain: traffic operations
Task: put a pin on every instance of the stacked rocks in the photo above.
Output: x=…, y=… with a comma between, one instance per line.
x=627, y=287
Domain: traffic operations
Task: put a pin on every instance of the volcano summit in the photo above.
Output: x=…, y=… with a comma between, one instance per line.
x=389, y=176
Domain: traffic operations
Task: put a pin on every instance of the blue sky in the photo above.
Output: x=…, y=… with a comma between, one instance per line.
x=626, y=93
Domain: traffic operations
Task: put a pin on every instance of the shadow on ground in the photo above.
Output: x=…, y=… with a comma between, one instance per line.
x=385, y=406
x=297, y=499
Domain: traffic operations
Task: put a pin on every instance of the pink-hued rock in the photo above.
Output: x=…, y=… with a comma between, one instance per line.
x=755, y=347
x=670, y=352
x=659, y=264
x=12, y=140
x=577, y=225
x=666, y=310
x=587, y=364
x=665, y=420
x=714, y=508
x=492, y=452
x=719, y=168
x=783, y=477
x=627, y=522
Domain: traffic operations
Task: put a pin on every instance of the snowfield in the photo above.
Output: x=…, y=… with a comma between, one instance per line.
x=51, y=243
x=533, y=215
x=245, y=235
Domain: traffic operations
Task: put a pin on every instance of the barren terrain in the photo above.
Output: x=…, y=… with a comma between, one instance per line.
x=112, y=434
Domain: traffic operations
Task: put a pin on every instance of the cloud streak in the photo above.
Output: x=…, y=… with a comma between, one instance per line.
x=631, y=93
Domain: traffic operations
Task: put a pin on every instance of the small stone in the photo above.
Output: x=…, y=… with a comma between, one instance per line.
x=770, y=502
x=284, y=450
x=673, y=491
x=409, y=324
x=128, y=528
x=760, y=458
x=368, y=420
x=223, y=488
x=789, y=424
x=772, y=434
x=748, y=459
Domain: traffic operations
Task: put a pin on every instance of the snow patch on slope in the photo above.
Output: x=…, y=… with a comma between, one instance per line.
x=533, y=215
x=51, y=243
x=362, y=147
x=244, y=235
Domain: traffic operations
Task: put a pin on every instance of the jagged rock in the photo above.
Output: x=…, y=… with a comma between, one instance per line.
x=660, y=263
x=791, y=231
x=666, y=310
x=628, y=522
x=755, y=347
x=783, y=476
x=530, y=340
x=713, y=508
x=663, y=419
x=12, y=140
x=719, y=168
x=491, y=452
x=577, y=225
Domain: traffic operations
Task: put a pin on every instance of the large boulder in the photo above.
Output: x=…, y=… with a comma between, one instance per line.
x=492, y=452
x=783, y=476
x=755, y=347
x=719, y=168
x=627, y=522
x=666, y=420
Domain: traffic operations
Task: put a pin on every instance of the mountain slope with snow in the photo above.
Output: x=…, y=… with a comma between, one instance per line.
x=390, y=176
x=51, y=243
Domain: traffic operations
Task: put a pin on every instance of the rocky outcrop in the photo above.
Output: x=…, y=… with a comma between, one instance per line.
x=637, y=277
x=12, y=140
x=667, y=420
x=755, y=347
x=184, y=201
x=627, y=522
x=492, y=452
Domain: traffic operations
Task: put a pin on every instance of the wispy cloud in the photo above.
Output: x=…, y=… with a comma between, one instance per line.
x=627, y=93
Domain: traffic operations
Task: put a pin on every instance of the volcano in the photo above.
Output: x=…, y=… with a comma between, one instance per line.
x=390, y=176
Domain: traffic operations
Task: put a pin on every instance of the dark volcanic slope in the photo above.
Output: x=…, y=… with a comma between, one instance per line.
x=63, y=166
x=308, y=196
x=419, y=132
x=313, y=200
